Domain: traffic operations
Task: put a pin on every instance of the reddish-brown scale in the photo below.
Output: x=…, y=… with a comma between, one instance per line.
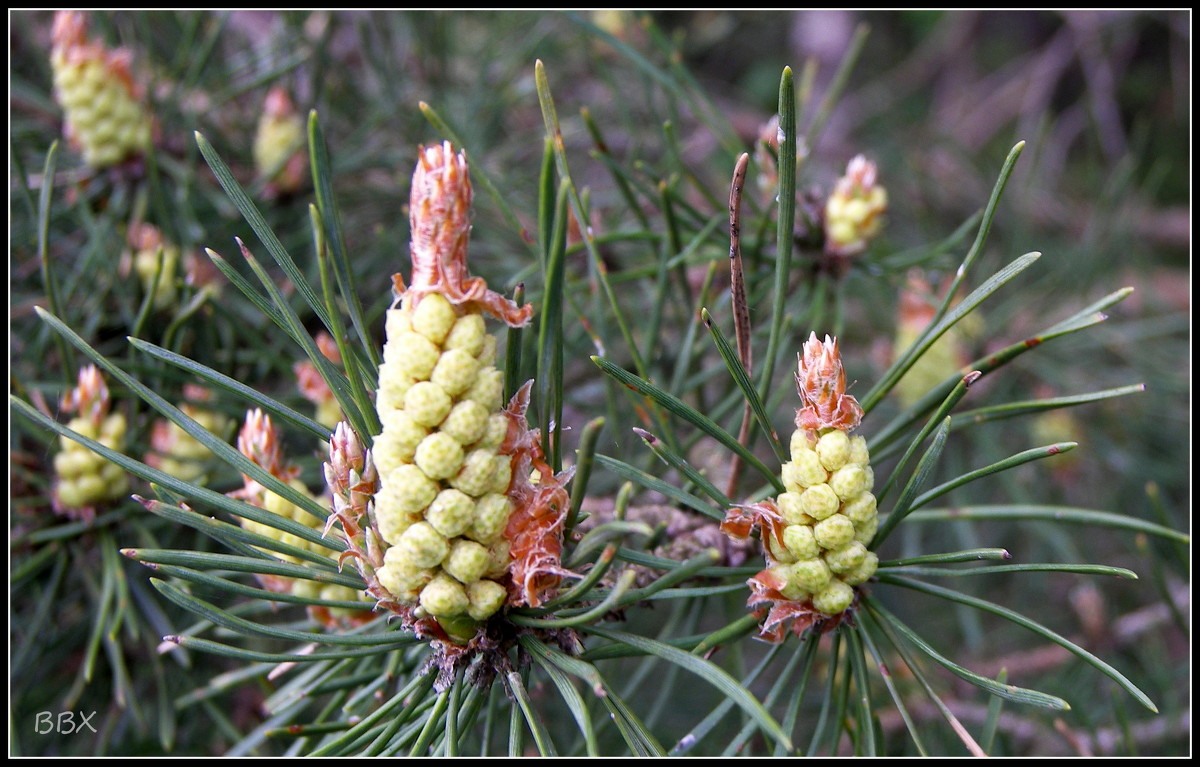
x=821, y=381
x=534, y=530
x=439, y=218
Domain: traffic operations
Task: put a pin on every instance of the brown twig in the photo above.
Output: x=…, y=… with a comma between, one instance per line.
x=741, y=312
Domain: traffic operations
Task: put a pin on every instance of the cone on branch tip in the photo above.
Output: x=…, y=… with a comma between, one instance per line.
x=105, y=117
x=854, y=211
x=82, y=479
x=815, y=535
x=280, y=155
x=466, y=531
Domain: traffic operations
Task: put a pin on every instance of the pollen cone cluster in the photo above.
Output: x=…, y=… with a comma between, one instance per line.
x=83, y=478
x=258, y=440
x=947, y=354
x=173, y=450
x=279, y=142
x=815, y=535
x=105, y=118
x=854, y=212
x=466, y=531
x=145, y=244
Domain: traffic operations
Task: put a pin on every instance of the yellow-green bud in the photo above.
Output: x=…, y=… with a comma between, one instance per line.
x=72, y=463
x=81, y=491
x=434, y=317
x=491, y=517
x=863, y=572
x=475, y=477
x=427, y=403
x=486, y=597
x=82, y=425
x=420, y=546
x=847, y=557
x=834, y=532
x=402, y=423
x=145, y=263
x=112, y=474
x=860, y=508
x=487, y=355
x=501, y=474
x=498, y=558
x=113, y=427
x=792, y=509
x=443, y=597
x=858, y=451
x=467, y=334
x=791, y=589
x=306, y=588
x=84, y=477
x=488, y=389
x=804, y=470
x=494, y=433
x=413, y=354
x=455, y=371
x=810, y=574
x=406, y=490
x=393, y=385
x=398, y=443
x=799, y=443
x=467, y=561
x=391, y=523
x=466, y=422
x=819, y=501
x=800, y=541
x=778, y=551
x=439, y=456
x=833, y=448
x=451, y=512
x=401, y=577
x=849, y=481
x=865, y=531
x=834, y=598
x=397, y=322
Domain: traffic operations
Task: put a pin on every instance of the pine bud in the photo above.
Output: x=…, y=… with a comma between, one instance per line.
x=105, y=118
x=854, y=212
x=147, y=247
x=279, y=144
x=84, y=480
x=941, y=360
x=451, y=459
x=826, y=518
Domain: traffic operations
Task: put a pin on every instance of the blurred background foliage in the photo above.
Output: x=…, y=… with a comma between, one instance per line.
x=936, y=100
